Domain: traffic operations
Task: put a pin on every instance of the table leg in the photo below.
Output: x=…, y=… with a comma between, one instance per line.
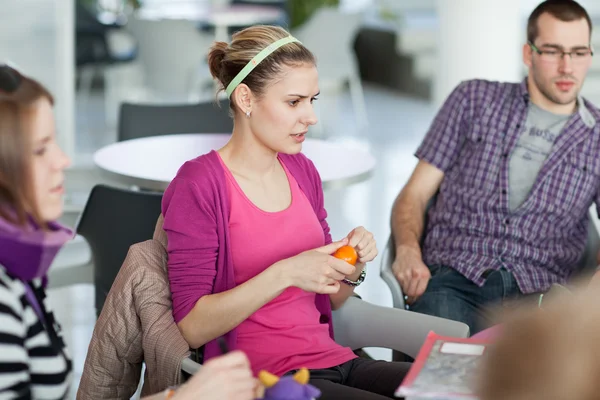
x=221, y=34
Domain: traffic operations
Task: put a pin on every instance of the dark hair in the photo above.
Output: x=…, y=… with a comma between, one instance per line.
x=18, y=98
x=564, y=10
x=227, y=60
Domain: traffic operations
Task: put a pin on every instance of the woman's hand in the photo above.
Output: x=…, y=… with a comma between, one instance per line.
x=227, y=377
x=317, y=270
x=364, y=243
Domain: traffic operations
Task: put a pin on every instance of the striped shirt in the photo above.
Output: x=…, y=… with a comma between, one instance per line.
x=33, y=362
x=472, y=227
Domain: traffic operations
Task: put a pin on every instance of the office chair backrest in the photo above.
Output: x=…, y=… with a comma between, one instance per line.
x=144, y=120
x=114, y=219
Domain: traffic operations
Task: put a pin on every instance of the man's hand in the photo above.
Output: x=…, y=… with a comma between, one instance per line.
x=411, y=272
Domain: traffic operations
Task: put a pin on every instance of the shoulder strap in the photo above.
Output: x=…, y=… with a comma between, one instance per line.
x=33, y=301
x=47, y=318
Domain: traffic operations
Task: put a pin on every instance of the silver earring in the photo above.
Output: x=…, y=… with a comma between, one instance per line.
x=247, y=114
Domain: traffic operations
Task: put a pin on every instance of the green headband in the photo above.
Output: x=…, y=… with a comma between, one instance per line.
x=264, y=53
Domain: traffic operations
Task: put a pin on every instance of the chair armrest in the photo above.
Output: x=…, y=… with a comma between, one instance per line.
x=387, y=259
x=190, y=366
x=359, y=324
x=389, y=255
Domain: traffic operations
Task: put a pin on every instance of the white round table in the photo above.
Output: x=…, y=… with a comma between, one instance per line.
x=220, y=17
x=151, y=163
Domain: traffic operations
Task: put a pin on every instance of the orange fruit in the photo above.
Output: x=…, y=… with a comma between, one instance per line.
x=346, y=253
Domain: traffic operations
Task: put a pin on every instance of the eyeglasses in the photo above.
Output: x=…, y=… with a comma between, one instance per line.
x=10, y=78
x=556, y=55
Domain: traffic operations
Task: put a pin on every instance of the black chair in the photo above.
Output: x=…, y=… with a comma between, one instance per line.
x=144, y=120
x=91, y=43
x=93, y=54
x=114, y=219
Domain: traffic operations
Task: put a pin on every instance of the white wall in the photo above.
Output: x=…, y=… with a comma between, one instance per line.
x=477, y=39
x=38, y=36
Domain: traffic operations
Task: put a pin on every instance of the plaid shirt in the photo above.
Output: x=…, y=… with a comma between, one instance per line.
x=471, y=227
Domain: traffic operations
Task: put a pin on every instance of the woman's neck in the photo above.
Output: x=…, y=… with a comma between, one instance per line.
x=246, y=155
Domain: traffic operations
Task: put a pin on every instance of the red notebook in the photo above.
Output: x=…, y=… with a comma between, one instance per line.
x=445, y=368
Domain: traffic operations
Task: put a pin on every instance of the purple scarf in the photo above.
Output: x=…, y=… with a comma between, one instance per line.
x=26, y=252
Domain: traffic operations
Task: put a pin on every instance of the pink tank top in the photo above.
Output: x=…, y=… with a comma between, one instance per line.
x=285, y=334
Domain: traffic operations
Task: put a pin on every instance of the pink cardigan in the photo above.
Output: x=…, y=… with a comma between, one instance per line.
x=196, y=213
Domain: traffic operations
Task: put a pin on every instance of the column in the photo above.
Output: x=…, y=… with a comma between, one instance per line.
x=64, y=78
x=478, y=39
x=38, y=37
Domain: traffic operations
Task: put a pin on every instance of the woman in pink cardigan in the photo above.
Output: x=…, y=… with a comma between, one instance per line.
x=34, y=363
x=248, y=241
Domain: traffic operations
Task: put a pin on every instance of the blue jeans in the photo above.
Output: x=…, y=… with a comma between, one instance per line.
x=451, y=295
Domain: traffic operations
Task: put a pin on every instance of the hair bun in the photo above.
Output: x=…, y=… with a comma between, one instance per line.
x=216, y=55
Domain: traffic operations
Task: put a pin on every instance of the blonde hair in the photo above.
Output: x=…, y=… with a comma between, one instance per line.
x=227, y=60
x=551, y=353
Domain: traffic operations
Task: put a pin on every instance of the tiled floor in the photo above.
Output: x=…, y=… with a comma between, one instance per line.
x=396, y=126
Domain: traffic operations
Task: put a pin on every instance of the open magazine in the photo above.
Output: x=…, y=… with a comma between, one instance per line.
x=445, y=369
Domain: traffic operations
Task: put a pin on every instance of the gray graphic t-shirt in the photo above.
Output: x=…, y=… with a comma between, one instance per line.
x=541, y=130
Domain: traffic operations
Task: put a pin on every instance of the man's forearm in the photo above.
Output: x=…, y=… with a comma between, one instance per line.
x=408, y=214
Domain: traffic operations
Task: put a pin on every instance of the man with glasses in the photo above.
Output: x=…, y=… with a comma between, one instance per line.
x=509, y=171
